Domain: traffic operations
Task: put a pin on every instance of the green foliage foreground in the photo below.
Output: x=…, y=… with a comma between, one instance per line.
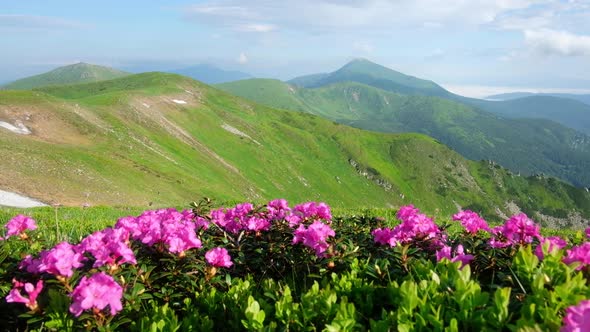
x=275, y=285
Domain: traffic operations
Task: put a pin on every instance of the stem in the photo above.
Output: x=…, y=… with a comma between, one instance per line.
x=57, y=234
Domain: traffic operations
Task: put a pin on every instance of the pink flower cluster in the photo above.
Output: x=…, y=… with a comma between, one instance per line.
x=98, y=291
x=519, y=229
x=277, y=209
x=60, y=261
x=577, y=318
x=219, y=257
x=33, y=292
x=549, y=245
x=471, y=221
x=460, y=256
x=308, y=212
x=241, y=217
x=579, y=254
x=414, y=226
x=18, y=225
x=109, y=247
x=176, y=230
x=315, y=236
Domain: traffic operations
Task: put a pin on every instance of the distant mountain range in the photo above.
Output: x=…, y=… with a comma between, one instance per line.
x=373, y=97
x=210, y=74
x=584, y=98
x=163, y=139
x=72, y=74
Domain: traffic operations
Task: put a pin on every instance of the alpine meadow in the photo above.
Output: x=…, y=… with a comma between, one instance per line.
x=233, y=165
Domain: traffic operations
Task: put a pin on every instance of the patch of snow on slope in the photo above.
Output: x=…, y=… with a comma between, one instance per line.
x=11, y=199
x=236, y=131
x=178, y=101
x=145, y=105
x=17, y=128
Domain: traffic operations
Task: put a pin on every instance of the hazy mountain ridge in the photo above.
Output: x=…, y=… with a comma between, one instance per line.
x=210, y=74
x=584, y=98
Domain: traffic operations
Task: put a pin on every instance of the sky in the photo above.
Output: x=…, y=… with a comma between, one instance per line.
x=473, y=47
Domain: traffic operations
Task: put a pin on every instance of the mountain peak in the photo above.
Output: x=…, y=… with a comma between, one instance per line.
x=80, y=72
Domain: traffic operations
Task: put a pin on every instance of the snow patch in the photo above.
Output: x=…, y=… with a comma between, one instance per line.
x=179, y=101
x=17, y=128
x=146, y=105
x=11, y=199
x=236, y=131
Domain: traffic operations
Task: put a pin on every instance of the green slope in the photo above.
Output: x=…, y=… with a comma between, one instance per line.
x=167, y=139
x=76, y=73
x=528, y=146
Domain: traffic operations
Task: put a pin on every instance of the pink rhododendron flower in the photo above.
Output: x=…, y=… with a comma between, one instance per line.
x=315, y=236
x=176, y=230
x=471, y=221
x=460, y=256
x=19, y=224
x=109, y=246
x=580, y=254
x=552, y=243
x=33, y=292
x=577, y=318
x=98, y=291
x=414, y=226
x=233, y=220
x=588, y=232
x=519, y=229
x=218, y=257
x=277, y=209
x=384, y=236
x=61, y=260
x=257, y=224
x=308, y=212
x=30, y=264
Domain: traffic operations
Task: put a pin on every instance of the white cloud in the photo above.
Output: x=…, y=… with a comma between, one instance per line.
x=256, y=27
x=363, y=47
x=554, y=42
x=242, y=59
x=354, y=14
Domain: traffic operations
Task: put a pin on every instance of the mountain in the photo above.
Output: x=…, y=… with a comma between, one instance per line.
x=76, y=73
x=528, y=146
x=584, y=98
x=165, y=139
x=367, y=72
x=210, y=74
x=363, y=71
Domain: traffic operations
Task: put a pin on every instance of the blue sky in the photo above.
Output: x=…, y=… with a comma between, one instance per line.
x=469, y=46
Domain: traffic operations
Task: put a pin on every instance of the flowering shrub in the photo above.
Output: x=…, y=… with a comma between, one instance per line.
x=276, y=267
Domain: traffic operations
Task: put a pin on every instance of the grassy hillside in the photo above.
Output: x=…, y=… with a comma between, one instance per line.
x=527, y=146
x=76, y=73
x=163, y=139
